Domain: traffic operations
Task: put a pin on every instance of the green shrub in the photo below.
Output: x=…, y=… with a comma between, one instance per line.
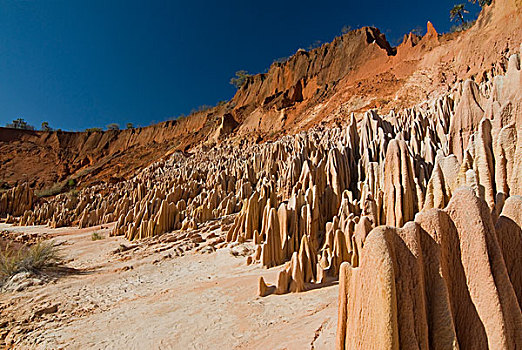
x=96, y=236
x=46, y=127
x=240, y=79
x=113, y=126
x=20, y=123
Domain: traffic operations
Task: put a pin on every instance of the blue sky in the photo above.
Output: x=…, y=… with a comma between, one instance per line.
x=80, y=64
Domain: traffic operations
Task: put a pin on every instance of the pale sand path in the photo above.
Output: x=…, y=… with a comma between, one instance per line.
x=196, y=301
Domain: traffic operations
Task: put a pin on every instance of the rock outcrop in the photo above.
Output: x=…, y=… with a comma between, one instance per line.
x=16, y=201
x=439, y=282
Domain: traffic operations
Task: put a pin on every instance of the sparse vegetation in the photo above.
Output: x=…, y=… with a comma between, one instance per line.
x=201, y=108
x=482, y=3
x=418, y=30
x=240, y=79
x=457, y=13
x=60, y=187
x=130, y=126
x=96, y=236
x=35, y=258
x=93, y=130
x=314, y=45
x=57, y=188
x=461, y=27
x=113, y=126
x=20, y=123
x=346, y=29
x=73, y=193
x=46, y=127
x=281, y=60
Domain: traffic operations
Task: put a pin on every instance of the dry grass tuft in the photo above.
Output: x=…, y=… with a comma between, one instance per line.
x=96, y=236
x=35, y=258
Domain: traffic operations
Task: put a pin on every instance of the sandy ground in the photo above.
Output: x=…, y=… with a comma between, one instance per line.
x=157, y=296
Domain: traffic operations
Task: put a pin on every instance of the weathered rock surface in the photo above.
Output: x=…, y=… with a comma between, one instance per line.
x=309, y=201
x=416, y=210
x=17, y=201
x=440, y=282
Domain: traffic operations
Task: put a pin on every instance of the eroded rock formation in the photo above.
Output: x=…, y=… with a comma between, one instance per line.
x=451, y=278
x=16, y=201
x=417, y=211
x=309, y=201
x=442, y=282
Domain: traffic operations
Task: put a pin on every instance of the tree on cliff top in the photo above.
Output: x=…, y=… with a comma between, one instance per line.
x=46, y=127
x=457, y=12
x=240, y=79
x=20, y=123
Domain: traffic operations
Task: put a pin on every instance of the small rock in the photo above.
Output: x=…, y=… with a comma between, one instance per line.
x=45, y=311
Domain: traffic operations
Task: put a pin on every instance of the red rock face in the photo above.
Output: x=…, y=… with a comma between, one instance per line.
x=324, y=66
x=47, y=158
x=355, y=72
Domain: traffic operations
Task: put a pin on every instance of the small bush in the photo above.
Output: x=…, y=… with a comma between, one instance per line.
x=240, y=79
x=52, y=191
x=93, y=130
x=35, y=258
x=316, y=44
x=113, y=126
x=346, y=29
x=46, y=127
x=95, y=236
x=461, y=27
